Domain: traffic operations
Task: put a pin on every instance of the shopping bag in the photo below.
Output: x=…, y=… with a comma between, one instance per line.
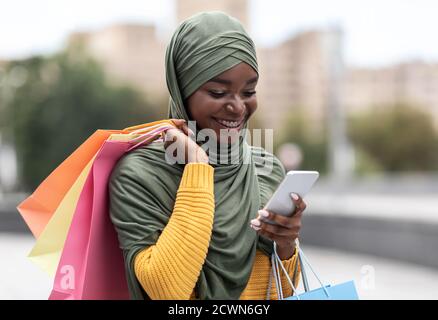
x=342, y=291
x=50, y=241
x=47, y=249
x=39, y=207
x=91, y=264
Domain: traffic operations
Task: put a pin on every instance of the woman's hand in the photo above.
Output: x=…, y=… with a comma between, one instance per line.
x=286, y=229
x=179, y=139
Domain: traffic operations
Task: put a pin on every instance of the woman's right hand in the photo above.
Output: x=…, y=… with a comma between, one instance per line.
x=180, y=135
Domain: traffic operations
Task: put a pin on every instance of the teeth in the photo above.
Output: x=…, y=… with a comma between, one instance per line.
x=231, y=124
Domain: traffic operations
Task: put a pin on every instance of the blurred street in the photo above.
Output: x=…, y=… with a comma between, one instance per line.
x=20, y=279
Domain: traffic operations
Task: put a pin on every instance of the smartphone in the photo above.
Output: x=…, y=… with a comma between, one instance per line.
x=295, y=181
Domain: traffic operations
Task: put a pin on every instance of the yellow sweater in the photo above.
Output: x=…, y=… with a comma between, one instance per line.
x=170, y=268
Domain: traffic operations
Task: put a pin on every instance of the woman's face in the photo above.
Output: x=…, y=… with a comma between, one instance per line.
x=225, y=102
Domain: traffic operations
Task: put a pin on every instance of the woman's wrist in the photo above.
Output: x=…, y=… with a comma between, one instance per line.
x=195, y=154
x=198, y=159
x=286, y=252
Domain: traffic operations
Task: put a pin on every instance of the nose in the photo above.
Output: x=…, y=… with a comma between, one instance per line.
x=236, y=106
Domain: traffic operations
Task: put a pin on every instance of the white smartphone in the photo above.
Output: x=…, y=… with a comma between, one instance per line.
x=296, y=181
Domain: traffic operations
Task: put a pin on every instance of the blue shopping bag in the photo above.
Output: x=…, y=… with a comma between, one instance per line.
x=342, y=291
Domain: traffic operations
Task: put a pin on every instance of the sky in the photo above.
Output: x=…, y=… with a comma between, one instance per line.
x=376, y=32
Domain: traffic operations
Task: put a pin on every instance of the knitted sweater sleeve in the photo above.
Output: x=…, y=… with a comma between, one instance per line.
x=170, y=268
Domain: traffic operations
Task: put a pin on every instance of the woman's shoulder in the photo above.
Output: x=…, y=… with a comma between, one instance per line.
x=143, y=157
x=142, y=184
x=144, y=165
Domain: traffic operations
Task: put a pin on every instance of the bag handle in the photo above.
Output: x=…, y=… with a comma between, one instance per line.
x=147, y=126
x=302, y=259
x=276, y=261
x=303, y=274
x=149, y=136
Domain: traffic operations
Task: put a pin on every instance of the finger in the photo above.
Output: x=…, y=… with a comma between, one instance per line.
x=297, y=216
x=178, y=122
x=268, y=235
x=298, y=202
x=185, y=128
x=169, y=137
x=181, y=125
x=275, y=229
x=278, y=218
x=192, y=134
x=278, y=239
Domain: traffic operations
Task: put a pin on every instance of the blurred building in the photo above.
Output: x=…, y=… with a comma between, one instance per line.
x=413, y=83
x=130, y=53
x=294, y=75
x=290, y=76
x=236, y=8
x=135, y=53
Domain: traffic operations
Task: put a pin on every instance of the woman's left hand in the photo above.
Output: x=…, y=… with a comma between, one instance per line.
x=286, y=229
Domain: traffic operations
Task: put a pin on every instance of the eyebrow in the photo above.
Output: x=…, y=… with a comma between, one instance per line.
x=228, y=82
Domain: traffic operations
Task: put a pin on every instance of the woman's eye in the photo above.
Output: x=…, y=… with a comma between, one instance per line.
x=217, y=94
x=249, y=93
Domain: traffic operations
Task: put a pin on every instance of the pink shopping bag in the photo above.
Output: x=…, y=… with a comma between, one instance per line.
x=91, y=264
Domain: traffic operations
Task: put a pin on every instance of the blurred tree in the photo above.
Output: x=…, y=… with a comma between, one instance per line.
x=62, y=101
x=296, y=129
x=398, y=138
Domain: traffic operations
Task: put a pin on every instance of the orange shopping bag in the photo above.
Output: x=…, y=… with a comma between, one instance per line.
x=39, y=207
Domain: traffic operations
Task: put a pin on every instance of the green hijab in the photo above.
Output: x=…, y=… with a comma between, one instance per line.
x=143, y=186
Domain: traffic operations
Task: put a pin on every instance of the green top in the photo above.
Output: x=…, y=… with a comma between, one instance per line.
x=143, y=186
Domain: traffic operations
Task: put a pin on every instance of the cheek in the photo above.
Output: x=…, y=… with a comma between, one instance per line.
x=193, y=106
x=252, y=106
x=201, y=108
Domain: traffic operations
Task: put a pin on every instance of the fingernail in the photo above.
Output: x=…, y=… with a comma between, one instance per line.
x=294, y=196
x=264, y=213
x=255, y=222
x=255, y=228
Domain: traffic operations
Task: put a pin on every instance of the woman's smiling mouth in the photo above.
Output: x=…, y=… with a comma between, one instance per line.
x=229, y=124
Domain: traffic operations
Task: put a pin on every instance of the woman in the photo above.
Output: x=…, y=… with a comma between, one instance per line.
x=194, y=230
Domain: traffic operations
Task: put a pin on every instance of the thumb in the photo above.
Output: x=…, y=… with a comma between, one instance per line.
x=178, y=122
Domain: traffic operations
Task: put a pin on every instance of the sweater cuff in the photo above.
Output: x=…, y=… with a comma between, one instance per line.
x=198, y=176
